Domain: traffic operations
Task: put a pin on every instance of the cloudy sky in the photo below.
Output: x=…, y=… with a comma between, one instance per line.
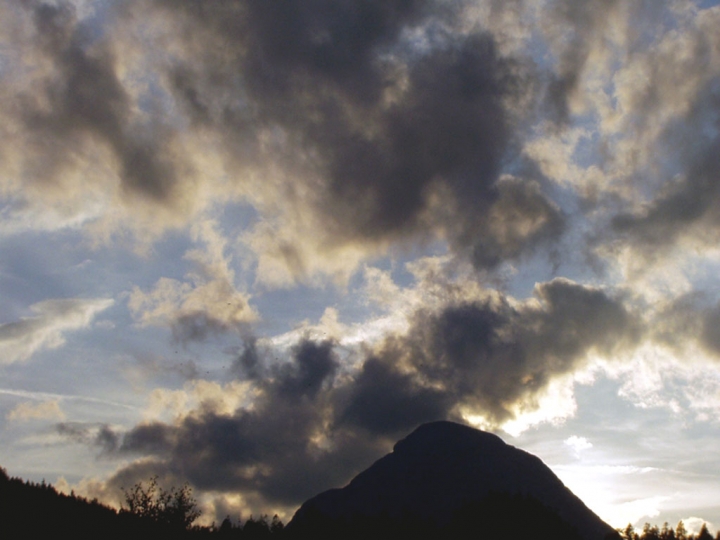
x=250, y=244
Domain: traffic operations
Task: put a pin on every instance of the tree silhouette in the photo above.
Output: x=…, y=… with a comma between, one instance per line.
x=257, y=528
x=680, y=531
x=629, y=533
x=704, y=534
x=176, y=508
x=650, y=532
x=667, y=532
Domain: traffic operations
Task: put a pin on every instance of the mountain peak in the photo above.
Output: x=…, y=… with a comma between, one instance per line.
x=441, y=468
x=444, y=435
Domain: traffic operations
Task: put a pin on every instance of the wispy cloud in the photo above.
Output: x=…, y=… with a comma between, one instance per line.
x=45, y=410
x=45, y=396
x=46, y=330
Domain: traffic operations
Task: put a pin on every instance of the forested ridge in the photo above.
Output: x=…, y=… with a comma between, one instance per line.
x=31, y=510
x=38, y=510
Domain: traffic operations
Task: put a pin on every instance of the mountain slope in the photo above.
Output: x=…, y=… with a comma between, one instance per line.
x=444, y=469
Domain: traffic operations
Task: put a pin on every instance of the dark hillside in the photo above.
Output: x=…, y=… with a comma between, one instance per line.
x=35, y=511
x=446, y=475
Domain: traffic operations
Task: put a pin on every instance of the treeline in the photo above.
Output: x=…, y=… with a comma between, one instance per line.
x=30, y=510
x=37, y=510
x=653, y=532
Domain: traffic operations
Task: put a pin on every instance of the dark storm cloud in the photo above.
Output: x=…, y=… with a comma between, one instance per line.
x=687, y=320
x=575, y=28
x=248, y=364
x=450, y=127
x=384, y=400
x=197, y=326
x=710, y=336
x=107, y=439
x=386, y=121
x=489, y=355
x=688, y=205
x=521, y=220
x=267, y=449
x=311, y=428
x=686, y=157
x=150, y=439
x=314, y=363
x=74, y=430
x=98, y=435
x=281, y=50
x=83, y=102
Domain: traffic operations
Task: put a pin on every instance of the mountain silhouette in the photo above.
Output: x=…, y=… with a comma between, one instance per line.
x=445, y=472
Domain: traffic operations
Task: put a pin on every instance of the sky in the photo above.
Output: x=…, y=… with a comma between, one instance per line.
x=250, y=244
